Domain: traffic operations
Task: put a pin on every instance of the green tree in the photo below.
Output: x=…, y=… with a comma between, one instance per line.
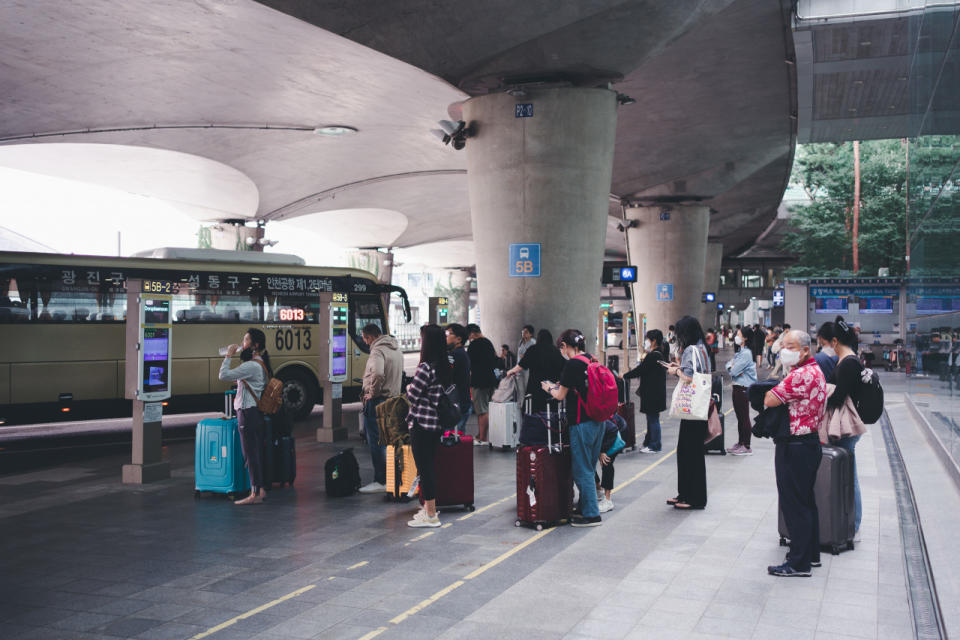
x=822, y=229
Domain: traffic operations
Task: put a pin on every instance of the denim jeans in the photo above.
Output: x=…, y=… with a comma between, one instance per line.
x=464, y=416
x=848, y=444
x=378, y=454
x=652, y=439
x=586, y=439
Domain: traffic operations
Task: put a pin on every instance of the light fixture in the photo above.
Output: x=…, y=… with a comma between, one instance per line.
x=456, y=132
x=627, y=224
x=334, y=130
x=624, y=99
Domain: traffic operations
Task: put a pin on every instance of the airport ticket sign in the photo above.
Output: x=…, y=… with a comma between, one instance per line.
x=525, y=260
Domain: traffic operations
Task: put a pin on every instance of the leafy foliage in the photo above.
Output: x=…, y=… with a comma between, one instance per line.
x=822, y=234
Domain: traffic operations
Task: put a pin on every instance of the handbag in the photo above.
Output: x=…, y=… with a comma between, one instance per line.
x=714, y=428
x=691, y=400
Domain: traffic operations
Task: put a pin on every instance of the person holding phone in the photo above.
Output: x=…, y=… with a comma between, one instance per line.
x=653, y=387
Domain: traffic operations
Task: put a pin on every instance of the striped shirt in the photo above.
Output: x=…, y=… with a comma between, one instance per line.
x=424, y=395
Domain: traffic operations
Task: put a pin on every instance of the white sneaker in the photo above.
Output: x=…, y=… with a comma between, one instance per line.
x=856, y=536
x=477, y=442
x=601, y=494
x=373, y=487
x=605, y=505
x=422, y=520
x=647, y=450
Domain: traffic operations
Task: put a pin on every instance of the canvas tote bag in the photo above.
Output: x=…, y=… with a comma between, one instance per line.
x=691, y=400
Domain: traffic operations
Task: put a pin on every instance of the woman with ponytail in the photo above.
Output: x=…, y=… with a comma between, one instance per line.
x=586, y=435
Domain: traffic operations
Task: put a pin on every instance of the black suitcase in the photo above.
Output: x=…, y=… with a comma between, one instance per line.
x=628, y=411
x=716, y=392
x=834, y=493
x=280, y=456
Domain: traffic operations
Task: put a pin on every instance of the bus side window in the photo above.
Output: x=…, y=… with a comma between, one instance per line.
x=364, y=310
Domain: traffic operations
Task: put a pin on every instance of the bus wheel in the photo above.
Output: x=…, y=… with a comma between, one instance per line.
x=299, y=393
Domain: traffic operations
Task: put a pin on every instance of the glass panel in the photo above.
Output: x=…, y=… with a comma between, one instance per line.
x=751, y=278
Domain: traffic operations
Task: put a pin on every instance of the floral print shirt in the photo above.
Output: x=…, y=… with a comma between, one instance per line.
x=804, y=391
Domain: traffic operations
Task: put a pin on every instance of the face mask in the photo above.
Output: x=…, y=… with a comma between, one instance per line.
x=789, y=357
x=647, y=345
x=830, y=351
x=738, y=340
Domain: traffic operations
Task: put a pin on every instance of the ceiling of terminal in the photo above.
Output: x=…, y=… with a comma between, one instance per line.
x=245, y=84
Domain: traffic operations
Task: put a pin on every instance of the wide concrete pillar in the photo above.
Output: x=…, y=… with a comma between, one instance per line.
x=454, y=284
x=711, y=282
x=668, y=244
x=541, y=179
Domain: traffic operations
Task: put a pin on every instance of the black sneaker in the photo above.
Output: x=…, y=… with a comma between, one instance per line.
x=580, y=521
x=816, y=563
x=786, y=571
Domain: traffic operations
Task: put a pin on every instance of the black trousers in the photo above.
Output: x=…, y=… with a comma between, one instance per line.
x=741, y=407
x=606, y=480
x=253, y=444
x=796, y=462
x=691, y=467
x=424, y=443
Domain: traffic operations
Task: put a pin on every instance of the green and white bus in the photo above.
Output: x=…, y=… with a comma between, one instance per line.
x=62, y=320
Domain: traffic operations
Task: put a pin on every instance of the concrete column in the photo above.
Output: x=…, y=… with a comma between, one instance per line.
x=454, y=284
x=669, y=246
x=541, y=179
x=711, y=282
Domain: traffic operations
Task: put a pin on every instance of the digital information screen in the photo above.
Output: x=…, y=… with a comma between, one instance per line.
x=156, y=311
x=156, y=359
x=835, y=305
x=292, y=315
x=338, y=353
x=931, y=305
x=882, y=304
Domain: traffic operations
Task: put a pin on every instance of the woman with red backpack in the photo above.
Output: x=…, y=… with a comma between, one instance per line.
x=586, y=435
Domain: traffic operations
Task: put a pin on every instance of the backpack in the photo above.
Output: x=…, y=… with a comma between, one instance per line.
x=448, y=408
x=271, y=399
x=869, y=397
x=602, y=397
x=341, y=474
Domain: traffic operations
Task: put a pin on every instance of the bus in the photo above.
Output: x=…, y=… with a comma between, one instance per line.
x=63, y=317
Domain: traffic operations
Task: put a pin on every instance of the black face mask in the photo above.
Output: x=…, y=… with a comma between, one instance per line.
x=246, y=355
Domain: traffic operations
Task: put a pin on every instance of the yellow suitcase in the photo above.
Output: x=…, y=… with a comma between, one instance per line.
x=400, y=467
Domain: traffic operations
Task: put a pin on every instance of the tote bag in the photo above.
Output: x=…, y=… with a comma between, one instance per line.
x=691, y=400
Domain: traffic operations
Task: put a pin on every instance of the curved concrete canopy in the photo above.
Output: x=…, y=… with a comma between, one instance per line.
x=357, y=227
x=240, y=83
x=202, y=188
x=449, y=254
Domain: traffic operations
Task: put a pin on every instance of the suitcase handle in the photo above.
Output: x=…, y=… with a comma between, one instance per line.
x=228, y=397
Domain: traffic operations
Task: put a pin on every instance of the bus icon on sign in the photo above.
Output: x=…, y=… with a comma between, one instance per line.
x=525, y=260
x=524, y=253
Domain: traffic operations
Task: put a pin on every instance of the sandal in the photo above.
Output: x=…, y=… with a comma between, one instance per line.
x=683, y=506
x=673, y=501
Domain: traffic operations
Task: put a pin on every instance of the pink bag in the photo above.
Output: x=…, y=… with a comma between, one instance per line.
x=602, y=397
x=714, y=428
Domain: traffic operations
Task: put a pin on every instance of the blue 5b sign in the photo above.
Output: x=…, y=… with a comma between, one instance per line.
x=525, y=260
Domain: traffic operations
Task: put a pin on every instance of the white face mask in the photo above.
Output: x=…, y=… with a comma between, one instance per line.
x=789, y=357
x=830, y=351
x=738, y=340
x=647, y=345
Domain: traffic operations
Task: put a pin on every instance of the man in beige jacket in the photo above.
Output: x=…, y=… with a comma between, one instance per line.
x=382, y=378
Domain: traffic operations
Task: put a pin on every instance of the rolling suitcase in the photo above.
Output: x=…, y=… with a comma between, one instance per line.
x=218, y=456
x=716, y=393
x=544, y=483
x=401, y=471
x=454, y=470
x=505, y=421
x=627, y=411
x=835, y=501
x=280, y=459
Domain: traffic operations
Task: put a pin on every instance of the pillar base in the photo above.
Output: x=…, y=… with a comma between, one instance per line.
x=144, y=473
x=325, y=434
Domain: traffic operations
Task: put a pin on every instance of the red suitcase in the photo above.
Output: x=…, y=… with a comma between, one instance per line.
x=454, y=470
x=544, y=483
x=627, y=411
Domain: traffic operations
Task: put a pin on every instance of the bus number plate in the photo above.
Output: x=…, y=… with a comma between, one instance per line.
x=292, y=340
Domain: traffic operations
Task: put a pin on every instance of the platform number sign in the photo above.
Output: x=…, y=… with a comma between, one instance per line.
x=664, y=293
x=525, y=260
x=523, y=110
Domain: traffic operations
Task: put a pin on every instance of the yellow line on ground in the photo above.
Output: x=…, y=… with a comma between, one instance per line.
x=727, y=412
x=489, y=506
x=444, y=526
x=373, y=634
x=426, y=603
x=252, y=612
x=332, y=578
x=358, y=565
x=476, y=572
x=423, y=535
x=639, y=475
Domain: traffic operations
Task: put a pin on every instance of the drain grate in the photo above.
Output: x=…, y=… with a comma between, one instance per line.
x=927, y=619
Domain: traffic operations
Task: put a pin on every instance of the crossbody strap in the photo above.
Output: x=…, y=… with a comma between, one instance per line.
x=266, y=376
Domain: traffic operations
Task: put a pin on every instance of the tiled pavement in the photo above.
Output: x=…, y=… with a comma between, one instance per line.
x=86, y=557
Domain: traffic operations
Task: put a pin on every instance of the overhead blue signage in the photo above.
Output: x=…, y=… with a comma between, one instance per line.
x=525, y=260
x=664, y=292
x=523, y=110
x=778, y=297
x=860, y=292
x=664, y=216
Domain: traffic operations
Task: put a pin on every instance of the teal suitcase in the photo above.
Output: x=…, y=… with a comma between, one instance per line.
x=218, y=461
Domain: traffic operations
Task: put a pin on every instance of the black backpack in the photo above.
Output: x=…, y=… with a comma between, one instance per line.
x=448, y=408
x=869, y=397
x=342, y=474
